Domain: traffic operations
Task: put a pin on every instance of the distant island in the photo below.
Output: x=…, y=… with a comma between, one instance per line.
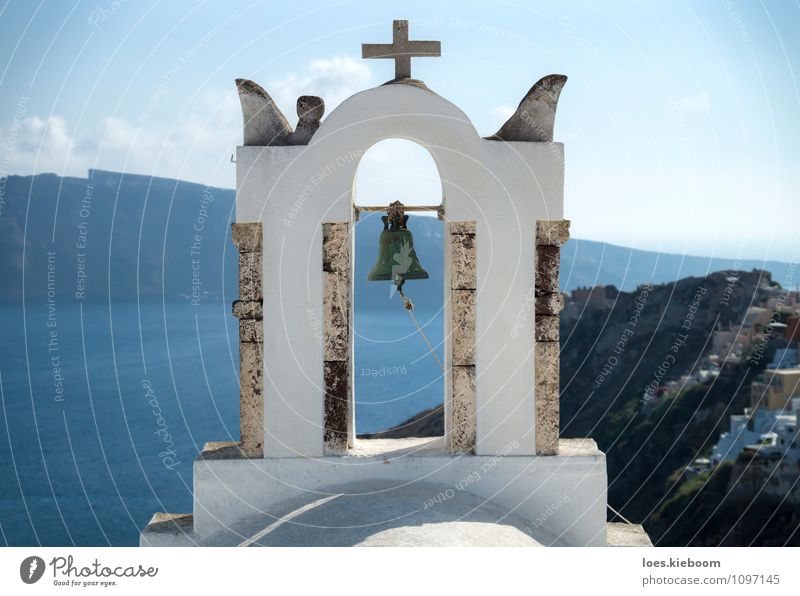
x=118, y=236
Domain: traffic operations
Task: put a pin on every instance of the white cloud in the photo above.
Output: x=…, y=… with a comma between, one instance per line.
x=197, y=147
x=333, y=79
x=51, y=134
x=44, y=139
x=503, y=112
x=499, y=115
x=695, y=103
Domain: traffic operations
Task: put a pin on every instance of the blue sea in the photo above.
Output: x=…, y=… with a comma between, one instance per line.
x=395, y=375
x=104, y=408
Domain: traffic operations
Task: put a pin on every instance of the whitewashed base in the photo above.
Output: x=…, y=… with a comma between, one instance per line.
x=562, y=497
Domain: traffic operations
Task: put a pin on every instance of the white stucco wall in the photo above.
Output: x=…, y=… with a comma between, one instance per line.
x=505, y=187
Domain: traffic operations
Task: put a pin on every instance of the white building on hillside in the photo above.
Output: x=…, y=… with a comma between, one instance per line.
x=770, y=432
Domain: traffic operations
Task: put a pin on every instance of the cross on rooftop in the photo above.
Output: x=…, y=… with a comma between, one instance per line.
x=401, y=50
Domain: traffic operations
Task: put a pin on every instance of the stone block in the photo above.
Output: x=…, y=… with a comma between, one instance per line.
x=248, y=309
x=462, y=304
x=221, y=450
x=547, y=266
x=336, y=316
x=553, y=232
x=546, y=362
x=251, y=330
x=549, y=304
x=337, y=408
x=462, y=410
x=625, y=534
x=169, y=530
x=463, y=263
x=250, y=273
x=546, y=328
x=251, y=398
x=247, y=236
x=335, y=247
x=547, y=419
x=462, y=228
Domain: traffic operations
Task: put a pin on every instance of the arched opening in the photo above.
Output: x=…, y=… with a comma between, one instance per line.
x=397, y=166
x=398, y=379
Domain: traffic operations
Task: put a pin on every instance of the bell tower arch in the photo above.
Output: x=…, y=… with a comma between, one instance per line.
x=502, y=213
x=494, y=193
x=398, y=354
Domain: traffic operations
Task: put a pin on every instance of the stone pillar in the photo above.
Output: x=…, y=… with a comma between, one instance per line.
x=336, y=337
x=462, y=407
x=249, y=310
x=550, y=235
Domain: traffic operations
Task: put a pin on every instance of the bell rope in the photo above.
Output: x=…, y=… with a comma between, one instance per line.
x=409, y=306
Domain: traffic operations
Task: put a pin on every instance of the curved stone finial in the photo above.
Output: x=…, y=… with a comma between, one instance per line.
x=264, y=123
x=310, y=110
x=536, y=114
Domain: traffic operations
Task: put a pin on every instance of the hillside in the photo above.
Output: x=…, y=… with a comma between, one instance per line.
x=612, y=350
x=704, y=512
x=428, y=423
x=604, y=373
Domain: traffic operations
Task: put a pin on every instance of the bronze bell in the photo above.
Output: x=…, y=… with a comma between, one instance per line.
x=397, y=260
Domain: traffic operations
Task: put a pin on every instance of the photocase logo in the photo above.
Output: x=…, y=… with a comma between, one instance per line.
x=31, y=569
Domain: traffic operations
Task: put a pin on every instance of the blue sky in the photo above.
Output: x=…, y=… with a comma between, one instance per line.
x=680, y=120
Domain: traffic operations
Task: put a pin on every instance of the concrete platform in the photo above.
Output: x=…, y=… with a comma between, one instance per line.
x=302, y=530
x=548, y=500
x=377, y=513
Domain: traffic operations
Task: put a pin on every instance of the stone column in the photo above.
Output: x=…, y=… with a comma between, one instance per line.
x=550, y=235
x=336, y=334
x=461, y=413
x=249, y=310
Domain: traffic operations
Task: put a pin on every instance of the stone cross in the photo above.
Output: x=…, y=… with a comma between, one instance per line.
x=401, y=50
